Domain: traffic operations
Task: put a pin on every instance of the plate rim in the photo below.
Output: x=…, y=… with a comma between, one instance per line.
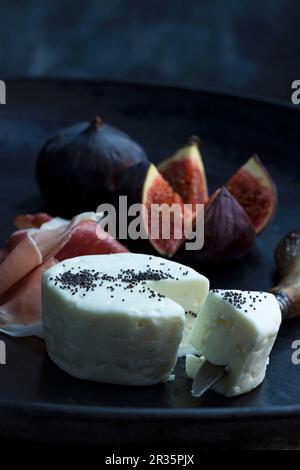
x=216, y=91
x=96, y=412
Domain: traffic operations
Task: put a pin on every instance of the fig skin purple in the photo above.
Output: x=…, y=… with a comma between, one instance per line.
x=228, y=232
x=80, y=167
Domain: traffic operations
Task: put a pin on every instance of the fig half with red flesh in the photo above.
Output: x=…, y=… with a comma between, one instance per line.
x=157, y=192
x=255, y=190
x=228, y=231
x=185, y=172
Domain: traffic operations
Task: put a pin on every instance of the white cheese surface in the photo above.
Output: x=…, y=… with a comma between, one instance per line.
x=236, y=329
x=193, y=364
x=127, y=328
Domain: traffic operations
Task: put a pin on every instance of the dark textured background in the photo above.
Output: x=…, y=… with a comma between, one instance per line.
x=237, y=45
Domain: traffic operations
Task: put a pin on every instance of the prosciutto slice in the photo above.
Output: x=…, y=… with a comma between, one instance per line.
x=88, y=238
x=40, y=242
x=31, y=220
x=23, y=258
x=20, y=314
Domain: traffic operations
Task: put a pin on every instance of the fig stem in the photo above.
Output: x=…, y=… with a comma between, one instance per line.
x=96, y=122
x=194, y=140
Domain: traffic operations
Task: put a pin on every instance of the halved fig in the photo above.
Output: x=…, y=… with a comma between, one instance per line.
x=228, y=231
x=255, y=190
x=159, y=196
x=184, y=171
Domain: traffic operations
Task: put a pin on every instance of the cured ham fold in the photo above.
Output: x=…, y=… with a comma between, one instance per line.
x=40, y=242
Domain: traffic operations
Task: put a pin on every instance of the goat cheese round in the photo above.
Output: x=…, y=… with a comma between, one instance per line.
x=119, y=318
x=236, y=329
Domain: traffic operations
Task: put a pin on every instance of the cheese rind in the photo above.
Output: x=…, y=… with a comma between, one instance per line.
x=119, y=332
x=237, y=329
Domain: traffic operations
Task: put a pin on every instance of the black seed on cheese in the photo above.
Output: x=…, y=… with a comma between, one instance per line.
x=193, y=314
x=86, y=280
x=237, y=299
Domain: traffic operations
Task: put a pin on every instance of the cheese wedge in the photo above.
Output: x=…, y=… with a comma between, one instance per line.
x=119, y=318
x=193, y=364
x=236, y=329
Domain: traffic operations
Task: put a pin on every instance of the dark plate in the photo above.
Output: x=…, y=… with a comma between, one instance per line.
x=40, y=402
